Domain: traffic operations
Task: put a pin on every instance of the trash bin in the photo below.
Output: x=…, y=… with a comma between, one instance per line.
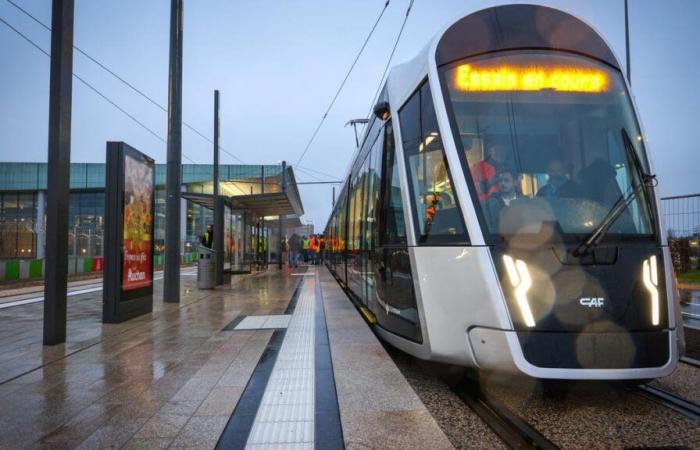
x=206, y=268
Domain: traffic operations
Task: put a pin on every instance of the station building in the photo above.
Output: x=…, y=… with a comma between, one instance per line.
x=255, y=198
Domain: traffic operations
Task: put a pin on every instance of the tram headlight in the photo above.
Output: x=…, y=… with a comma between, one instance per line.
x=521, y=281
x=650, y=277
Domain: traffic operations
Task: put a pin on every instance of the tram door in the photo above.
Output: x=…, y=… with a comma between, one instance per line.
x=372, y=170
x=395, y=305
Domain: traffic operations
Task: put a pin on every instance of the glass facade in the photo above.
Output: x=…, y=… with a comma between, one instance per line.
x=22, y=185
x=18, y=228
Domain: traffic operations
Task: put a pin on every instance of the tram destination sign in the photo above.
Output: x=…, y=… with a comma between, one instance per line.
x=129, y=215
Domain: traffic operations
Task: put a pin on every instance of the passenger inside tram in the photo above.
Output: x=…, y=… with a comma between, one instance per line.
x=559, y=182
x=508, y=180
x=484, y=172
x=576, y=152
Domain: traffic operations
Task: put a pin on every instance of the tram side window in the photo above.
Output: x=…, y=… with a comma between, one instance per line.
x=435, y=207
x=392, y=227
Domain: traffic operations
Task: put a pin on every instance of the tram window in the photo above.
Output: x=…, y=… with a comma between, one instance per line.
x=553, y=124
x=392, y=227
x=436, y=212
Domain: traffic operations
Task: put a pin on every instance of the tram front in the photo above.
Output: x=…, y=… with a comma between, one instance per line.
x=555, y=159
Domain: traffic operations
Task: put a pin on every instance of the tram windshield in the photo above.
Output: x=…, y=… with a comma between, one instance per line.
x=542, y=135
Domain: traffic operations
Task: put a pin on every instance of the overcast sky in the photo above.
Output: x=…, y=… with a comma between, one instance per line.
x=278, y=64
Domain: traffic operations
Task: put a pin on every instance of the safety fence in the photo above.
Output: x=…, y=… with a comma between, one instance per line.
x=31, y=269
x=682, y=219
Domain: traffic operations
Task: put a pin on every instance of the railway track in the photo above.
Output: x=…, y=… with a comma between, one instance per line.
x=512, y=429
x=672, y=401
x=690, y=361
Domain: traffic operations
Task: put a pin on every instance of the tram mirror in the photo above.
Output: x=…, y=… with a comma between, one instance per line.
x=381, y=110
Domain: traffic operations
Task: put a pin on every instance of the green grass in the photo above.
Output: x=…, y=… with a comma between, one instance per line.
x=692, y=277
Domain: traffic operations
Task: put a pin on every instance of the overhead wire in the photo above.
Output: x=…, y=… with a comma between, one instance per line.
x=94, y=89
x=391, y=56
x=342, y=84
x=125, y=82
x=310, y=174
x=317, y=172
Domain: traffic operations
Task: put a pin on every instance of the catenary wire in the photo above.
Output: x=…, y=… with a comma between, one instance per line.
x=125, y=82
x=94, y=89
x=391, y=56
x=318, y=172
x=310, y=174
x=340, y=88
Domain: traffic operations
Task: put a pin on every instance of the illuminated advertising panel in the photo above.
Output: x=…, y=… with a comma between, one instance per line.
x=128, y=240
x=137, y=257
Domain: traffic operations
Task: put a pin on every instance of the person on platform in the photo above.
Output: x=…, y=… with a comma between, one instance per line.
x=294, y=247
x=305, y=249
x=322, y=248
x=207, y=239
x=313, y=246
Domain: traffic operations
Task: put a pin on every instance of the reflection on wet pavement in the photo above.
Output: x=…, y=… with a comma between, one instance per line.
x=156, y=379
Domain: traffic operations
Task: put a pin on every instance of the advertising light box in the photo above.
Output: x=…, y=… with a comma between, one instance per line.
x=129, y=215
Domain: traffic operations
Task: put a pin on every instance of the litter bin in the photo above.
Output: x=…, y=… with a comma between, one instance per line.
x=206, y=267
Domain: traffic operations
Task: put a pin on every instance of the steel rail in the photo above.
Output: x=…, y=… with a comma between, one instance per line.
x=672, y=401
x=512, y=429
x=690, y=361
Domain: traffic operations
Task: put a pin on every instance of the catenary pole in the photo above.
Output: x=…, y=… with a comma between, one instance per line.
x=283, y=184
x=218, y=202
x=58, y=175
x=627, y=45
x=171, y=281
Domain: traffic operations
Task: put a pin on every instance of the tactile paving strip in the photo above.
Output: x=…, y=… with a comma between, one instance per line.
x=285, y=418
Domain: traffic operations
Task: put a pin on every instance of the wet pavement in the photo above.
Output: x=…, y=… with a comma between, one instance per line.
x=180, y=376
x=167, y=378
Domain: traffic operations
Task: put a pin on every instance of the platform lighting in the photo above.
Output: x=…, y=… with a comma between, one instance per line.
x=651, y=282
x=520, y=278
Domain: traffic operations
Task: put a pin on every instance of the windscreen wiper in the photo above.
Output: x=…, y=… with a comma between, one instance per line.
x=646, y=180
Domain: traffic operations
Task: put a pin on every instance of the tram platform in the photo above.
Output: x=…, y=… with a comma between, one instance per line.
x=278, y=359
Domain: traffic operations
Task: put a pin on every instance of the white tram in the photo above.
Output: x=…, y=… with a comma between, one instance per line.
x=500, y=212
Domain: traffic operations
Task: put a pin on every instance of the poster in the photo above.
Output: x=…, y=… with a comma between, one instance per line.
x=138, y=224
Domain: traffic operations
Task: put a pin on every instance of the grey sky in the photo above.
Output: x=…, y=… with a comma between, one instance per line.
x=278, y=63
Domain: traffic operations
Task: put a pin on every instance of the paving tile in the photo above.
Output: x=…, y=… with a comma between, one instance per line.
x=201, y=432
x=392, y=430
x=358, y=356
x=147, y=444
x=220, y=402
x=162, y=426
x=180, y=407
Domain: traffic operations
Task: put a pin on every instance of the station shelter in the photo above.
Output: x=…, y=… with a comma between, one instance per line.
x=254, y=196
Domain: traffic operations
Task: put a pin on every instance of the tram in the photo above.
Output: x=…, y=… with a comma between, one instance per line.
x=500, y=211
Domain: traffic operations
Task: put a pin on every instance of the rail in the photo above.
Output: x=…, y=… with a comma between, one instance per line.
x=672, y=401
x=512, y=429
